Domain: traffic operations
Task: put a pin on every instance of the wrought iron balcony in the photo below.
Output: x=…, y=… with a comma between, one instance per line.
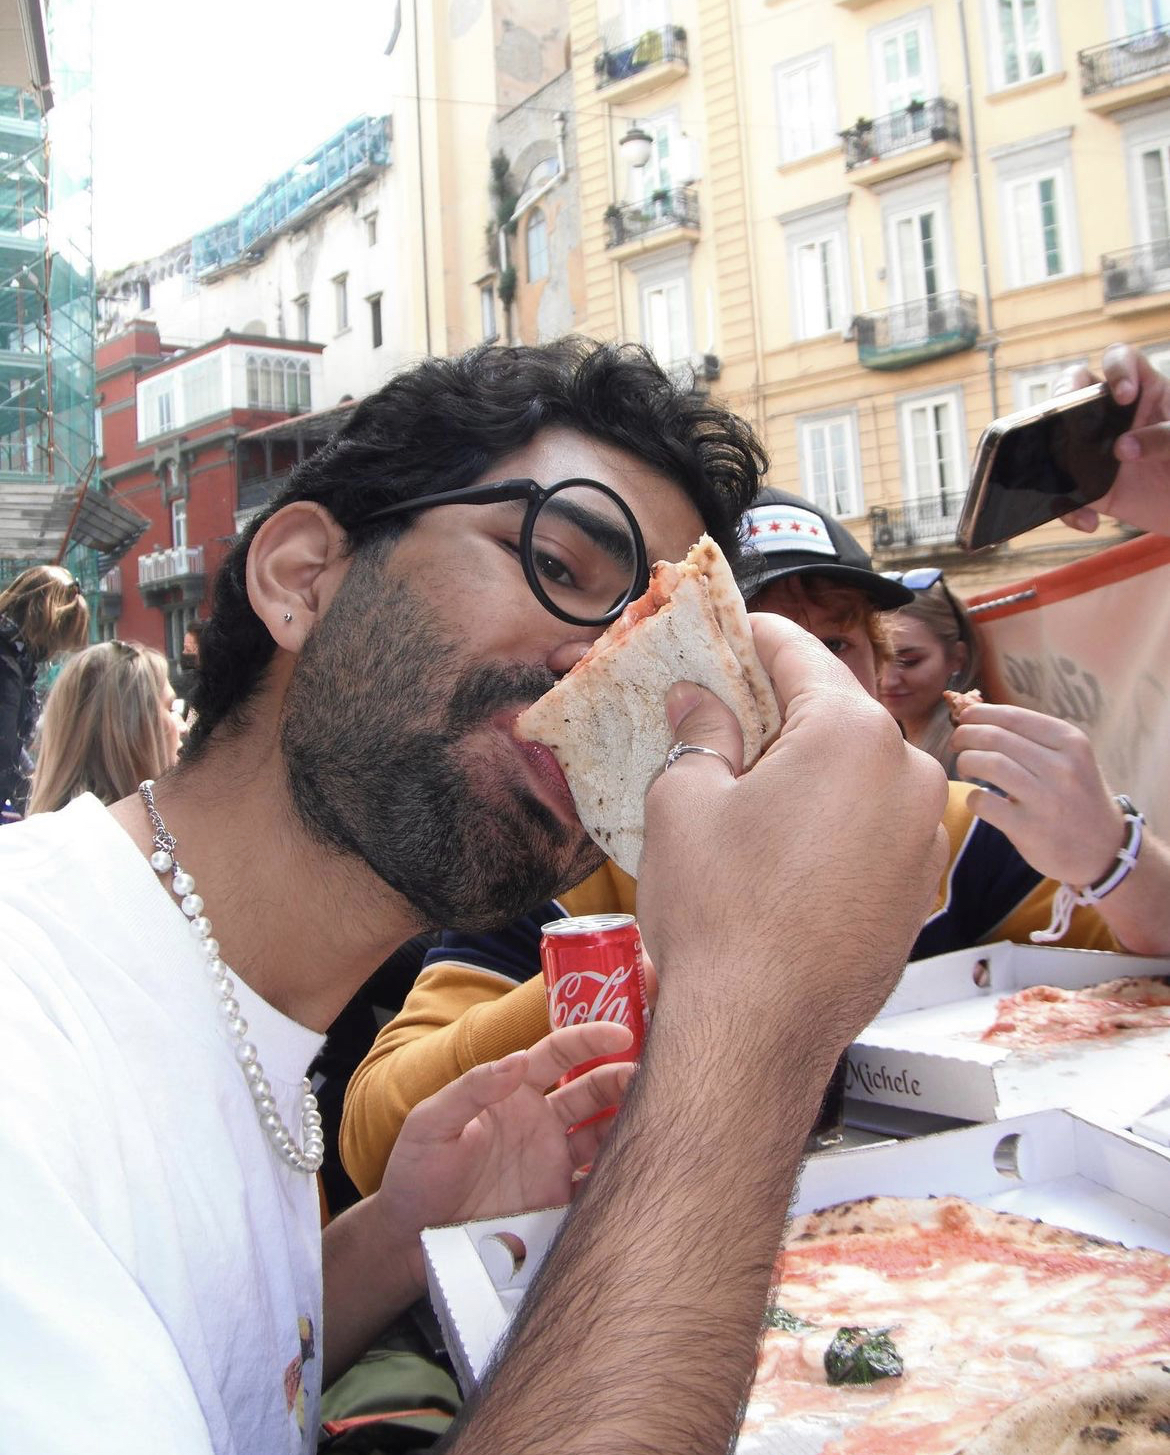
x=1136, y=271
x=1122, y=62
x=670, y=208
x=918, y=522
x=665, y=46
x=916, y=125
x=927, y=328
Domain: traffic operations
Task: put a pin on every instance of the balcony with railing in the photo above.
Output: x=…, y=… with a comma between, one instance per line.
x=1122, y=72
x=178, y=569
x=919, y=135
x=659, y=219
x=1136, y=278
x=901, y=528
x=632, y=68
x=910, y=333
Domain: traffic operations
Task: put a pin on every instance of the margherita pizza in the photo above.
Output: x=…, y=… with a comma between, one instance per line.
x=1044, y=1015
x=912, y=1326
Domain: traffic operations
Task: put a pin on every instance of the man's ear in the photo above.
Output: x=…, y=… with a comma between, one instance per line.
x=295, y=564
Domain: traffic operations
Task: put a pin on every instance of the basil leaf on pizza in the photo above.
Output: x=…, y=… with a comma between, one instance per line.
x=1013, y=1337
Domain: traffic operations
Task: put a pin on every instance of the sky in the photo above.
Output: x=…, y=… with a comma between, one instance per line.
x=195, y=107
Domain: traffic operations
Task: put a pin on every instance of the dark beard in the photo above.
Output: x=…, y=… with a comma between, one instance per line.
x=373, y=737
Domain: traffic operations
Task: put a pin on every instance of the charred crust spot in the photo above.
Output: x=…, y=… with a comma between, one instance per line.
x=1100, y=1434
x=1161, y=1427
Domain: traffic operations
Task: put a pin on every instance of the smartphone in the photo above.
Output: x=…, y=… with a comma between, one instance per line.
x=1041, y=463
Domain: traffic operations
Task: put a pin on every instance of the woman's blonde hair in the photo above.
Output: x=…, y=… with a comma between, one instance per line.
x=49, y=610
x=102, y=729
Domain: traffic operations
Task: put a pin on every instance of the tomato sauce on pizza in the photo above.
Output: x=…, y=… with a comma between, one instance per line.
x=976, y=1310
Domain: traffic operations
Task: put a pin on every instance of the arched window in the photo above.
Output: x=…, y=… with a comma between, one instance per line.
x=253, y=375
x=304, y=400
x=265, y=384
x=536, y=241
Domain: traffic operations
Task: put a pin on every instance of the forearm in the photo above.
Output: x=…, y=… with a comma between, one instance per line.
x=669, y=1249
x=1138, y=910
x=370, y=1276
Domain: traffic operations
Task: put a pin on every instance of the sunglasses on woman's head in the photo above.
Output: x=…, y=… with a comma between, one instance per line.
x=921, y=578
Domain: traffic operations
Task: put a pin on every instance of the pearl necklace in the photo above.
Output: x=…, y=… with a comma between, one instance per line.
x=307, y=1158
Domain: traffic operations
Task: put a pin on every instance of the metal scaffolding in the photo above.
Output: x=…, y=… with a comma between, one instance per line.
x=51, y=503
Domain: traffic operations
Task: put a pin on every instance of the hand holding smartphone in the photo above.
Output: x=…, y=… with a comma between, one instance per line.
x=1041, y=463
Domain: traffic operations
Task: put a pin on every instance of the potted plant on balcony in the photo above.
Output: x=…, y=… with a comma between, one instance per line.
x=660, y=203
x=859, y=141
x=613, y=221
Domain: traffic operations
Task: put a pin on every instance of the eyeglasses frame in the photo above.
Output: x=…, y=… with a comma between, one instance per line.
x=493, y=492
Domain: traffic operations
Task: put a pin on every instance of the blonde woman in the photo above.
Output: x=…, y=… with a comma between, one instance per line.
x=108, y=724
x=935, y=649
x=42, y=613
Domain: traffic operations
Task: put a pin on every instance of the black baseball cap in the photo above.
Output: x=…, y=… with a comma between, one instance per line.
x=786, y=535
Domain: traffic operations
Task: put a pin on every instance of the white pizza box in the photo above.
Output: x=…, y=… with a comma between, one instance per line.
x=923, y=1052
x=1052, y=1165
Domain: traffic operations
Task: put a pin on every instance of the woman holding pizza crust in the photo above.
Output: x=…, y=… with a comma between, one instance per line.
x=479, y=997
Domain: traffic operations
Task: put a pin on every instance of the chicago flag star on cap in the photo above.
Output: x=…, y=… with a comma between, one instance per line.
x=777, y=528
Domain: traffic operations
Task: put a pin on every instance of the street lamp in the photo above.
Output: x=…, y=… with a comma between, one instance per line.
x=635, y=146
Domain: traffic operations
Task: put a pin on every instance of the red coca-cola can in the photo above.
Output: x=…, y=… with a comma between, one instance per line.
x=593, y=971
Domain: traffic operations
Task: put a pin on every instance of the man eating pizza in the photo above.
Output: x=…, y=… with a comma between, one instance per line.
x=479, y=996
x=168, y=965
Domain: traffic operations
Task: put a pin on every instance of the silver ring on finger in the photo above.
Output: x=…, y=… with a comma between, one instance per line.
x=679, y=749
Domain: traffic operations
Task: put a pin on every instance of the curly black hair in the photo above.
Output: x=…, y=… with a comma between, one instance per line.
x=441, y=425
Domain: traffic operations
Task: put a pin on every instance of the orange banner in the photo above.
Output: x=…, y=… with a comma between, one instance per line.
x=1090, y=643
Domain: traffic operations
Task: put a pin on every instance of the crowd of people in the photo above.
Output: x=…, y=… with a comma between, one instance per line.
x=179, y=936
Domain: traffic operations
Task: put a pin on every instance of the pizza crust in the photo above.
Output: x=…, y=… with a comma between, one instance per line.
x=1127, y=1413
x=990, y=1313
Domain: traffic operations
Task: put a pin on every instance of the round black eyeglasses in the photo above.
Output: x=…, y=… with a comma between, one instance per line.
x=580, y=547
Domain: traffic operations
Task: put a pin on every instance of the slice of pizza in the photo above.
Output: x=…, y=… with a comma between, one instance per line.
x=957, y=701
x=605, y=721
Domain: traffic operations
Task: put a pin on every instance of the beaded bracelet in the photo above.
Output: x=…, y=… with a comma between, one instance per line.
x=1067, y=898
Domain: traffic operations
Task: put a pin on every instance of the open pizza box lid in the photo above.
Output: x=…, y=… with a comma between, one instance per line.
x=923, y=1052
x=1052, y=1165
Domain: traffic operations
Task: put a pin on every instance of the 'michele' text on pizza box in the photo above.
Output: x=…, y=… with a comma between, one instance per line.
x=924, y=1052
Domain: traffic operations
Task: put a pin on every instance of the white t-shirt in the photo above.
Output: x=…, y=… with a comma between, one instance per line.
x=160, y=1269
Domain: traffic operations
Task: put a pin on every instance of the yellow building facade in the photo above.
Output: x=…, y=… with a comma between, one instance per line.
x=869, y=225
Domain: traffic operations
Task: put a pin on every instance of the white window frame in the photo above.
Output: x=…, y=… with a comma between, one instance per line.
x=377, y=320
x=487, y=312
x=179, y=523
x=1028, y=164
x=930, y=193
x=669, y=164
x=1048, y=39
x=668, y=269
x=923, y=22
x=824, y=223
x=808, y=430
x=341, y=303
x=1033, y=386
x=371, y=222
x=958, y=440
x=821, y=135
x=301, y=304
x=537, y=219
x=1119, y=28
x=1140, y=135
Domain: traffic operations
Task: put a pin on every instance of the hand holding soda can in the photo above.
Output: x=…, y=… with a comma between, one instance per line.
x=593, y=971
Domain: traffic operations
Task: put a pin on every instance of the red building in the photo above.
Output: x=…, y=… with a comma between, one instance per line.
x=171, y=424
